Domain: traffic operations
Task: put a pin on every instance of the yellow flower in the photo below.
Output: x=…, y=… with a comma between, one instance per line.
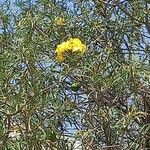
x=60, y=57
x=64, y=46
x=60, y=21
x=72, y=45
x=77, y=46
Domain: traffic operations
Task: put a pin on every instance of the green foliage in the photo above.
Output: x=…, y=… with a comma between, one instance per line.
x=100, y=99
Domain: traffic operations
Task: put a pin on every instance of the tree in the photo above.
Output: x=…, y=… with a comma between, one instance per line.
x=99, y=97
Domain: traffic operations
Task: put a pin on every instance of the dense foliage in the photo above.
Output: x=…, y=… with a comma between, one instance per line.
x=99, y=99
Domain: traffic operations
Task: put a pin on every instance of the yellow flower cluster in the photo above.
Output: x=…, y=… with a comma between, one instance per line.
x=60, y=21
x=72, y=45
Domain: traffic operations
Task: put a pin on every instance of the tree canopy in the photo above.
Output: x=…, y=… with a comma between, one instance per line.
x=75, y=71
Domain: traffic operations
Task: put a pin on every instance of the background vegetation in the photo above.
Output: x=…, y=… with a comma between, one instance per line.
x=100, y=99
